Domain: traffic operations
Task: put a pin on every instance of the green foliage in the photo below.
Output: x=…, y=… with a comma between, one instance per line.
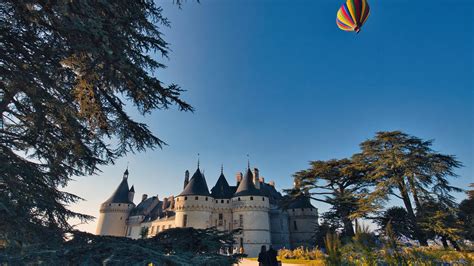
x=398, y=220
x=365, y=243
x=391, y=251
x=333, y=249
x=466, y=215
x=406, y=167
x=336, y=182
x=68, y=70
x=300, y=253
x=178, y=246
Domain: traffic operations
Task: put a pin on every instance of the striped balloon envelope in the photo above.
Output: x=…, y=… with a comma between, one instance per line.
x=352, y=15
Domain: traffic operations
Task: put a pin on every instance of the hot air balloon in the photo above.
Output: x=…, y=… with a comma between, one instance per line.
x=352, y=15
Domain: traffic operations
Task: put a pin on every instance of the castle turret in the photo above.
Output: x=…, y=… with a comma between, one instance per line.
x=303, y=221
x=115, y=210
x=251, y=214
x=194, y=205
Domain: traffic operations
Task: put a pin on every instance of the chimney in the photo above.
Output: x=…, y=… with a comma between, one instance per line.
x=272, y=183
x=238, y=177
x=262, y=179
x=186, y=179
x=131, y=194
x=144, y=197
x=165, y=201
x=256, y=178
x=172, y=202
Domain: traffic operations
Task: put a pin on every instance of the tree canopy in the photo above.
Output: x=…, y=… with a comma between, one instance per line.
x=335, y=182
x=199, y=247
x=68, y=70
x=390, y=165
x=406, y=167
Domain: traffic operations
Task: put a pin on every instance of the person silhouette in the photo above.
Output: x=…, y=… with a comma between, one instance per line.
x=272, y=256
x=263, y=257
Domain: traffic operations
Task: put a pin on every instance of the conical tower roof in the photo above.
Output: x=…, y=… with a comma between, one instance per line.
x=197, y=185
x=120, y=194
x=221, y=190
x=247, y=187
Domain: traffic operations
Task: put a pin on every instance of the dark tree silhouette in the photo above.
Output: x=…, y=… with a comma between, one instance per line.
x=68, y=68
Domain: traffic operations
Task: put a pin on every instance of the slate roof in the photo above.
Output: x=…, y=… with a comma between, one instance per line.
x=222, y=190
x=120, y=195
x=246, y=186
x=159, y=211
x=197, y=185
x=300, y=202
x=270, y=192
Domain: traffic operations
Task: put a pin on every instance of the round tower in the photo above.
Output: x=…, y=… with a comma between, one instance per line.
x=303, y=222
x=250, y=209
x=193, y=207
x=115, y=210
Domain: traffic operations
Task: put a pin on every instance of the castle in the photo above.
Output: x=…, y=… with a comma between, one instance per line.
x=251, y=205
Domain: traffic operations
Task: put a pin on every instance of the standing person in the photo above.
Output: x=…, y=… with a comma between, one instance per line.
x=263, y=257
x=272, y=256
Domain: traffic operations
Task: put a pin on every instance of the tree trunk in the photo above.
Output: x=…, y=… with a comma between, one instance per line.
x=454, y=244
x=348, y=228
x=411, y=213
x=445, y=242
x=411, y=180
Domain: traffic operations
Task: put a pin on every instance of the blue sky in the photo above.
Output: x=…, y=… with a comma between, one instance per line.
x=279, y=81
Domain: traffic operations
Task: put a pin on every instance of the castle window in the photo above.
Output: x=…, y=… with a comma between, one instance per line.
x=185, y=220
x=263, y=198
x=217, y=201
x=222, y=201
x=227, y=201
x=221, y=216
x=239, y=199
x=177, y=199
x=251, y=198
x=185, y=198
x=295, y=226
x=196, y=198
x=129, y=231
x=241, y=220
x=120, y=217
x=206, y=198
x=303, y=209
x=119, y=204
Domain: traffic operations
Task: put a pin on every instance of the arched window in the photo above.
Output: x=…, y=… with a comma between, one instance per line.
x=196, y=198
x=251, y=198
